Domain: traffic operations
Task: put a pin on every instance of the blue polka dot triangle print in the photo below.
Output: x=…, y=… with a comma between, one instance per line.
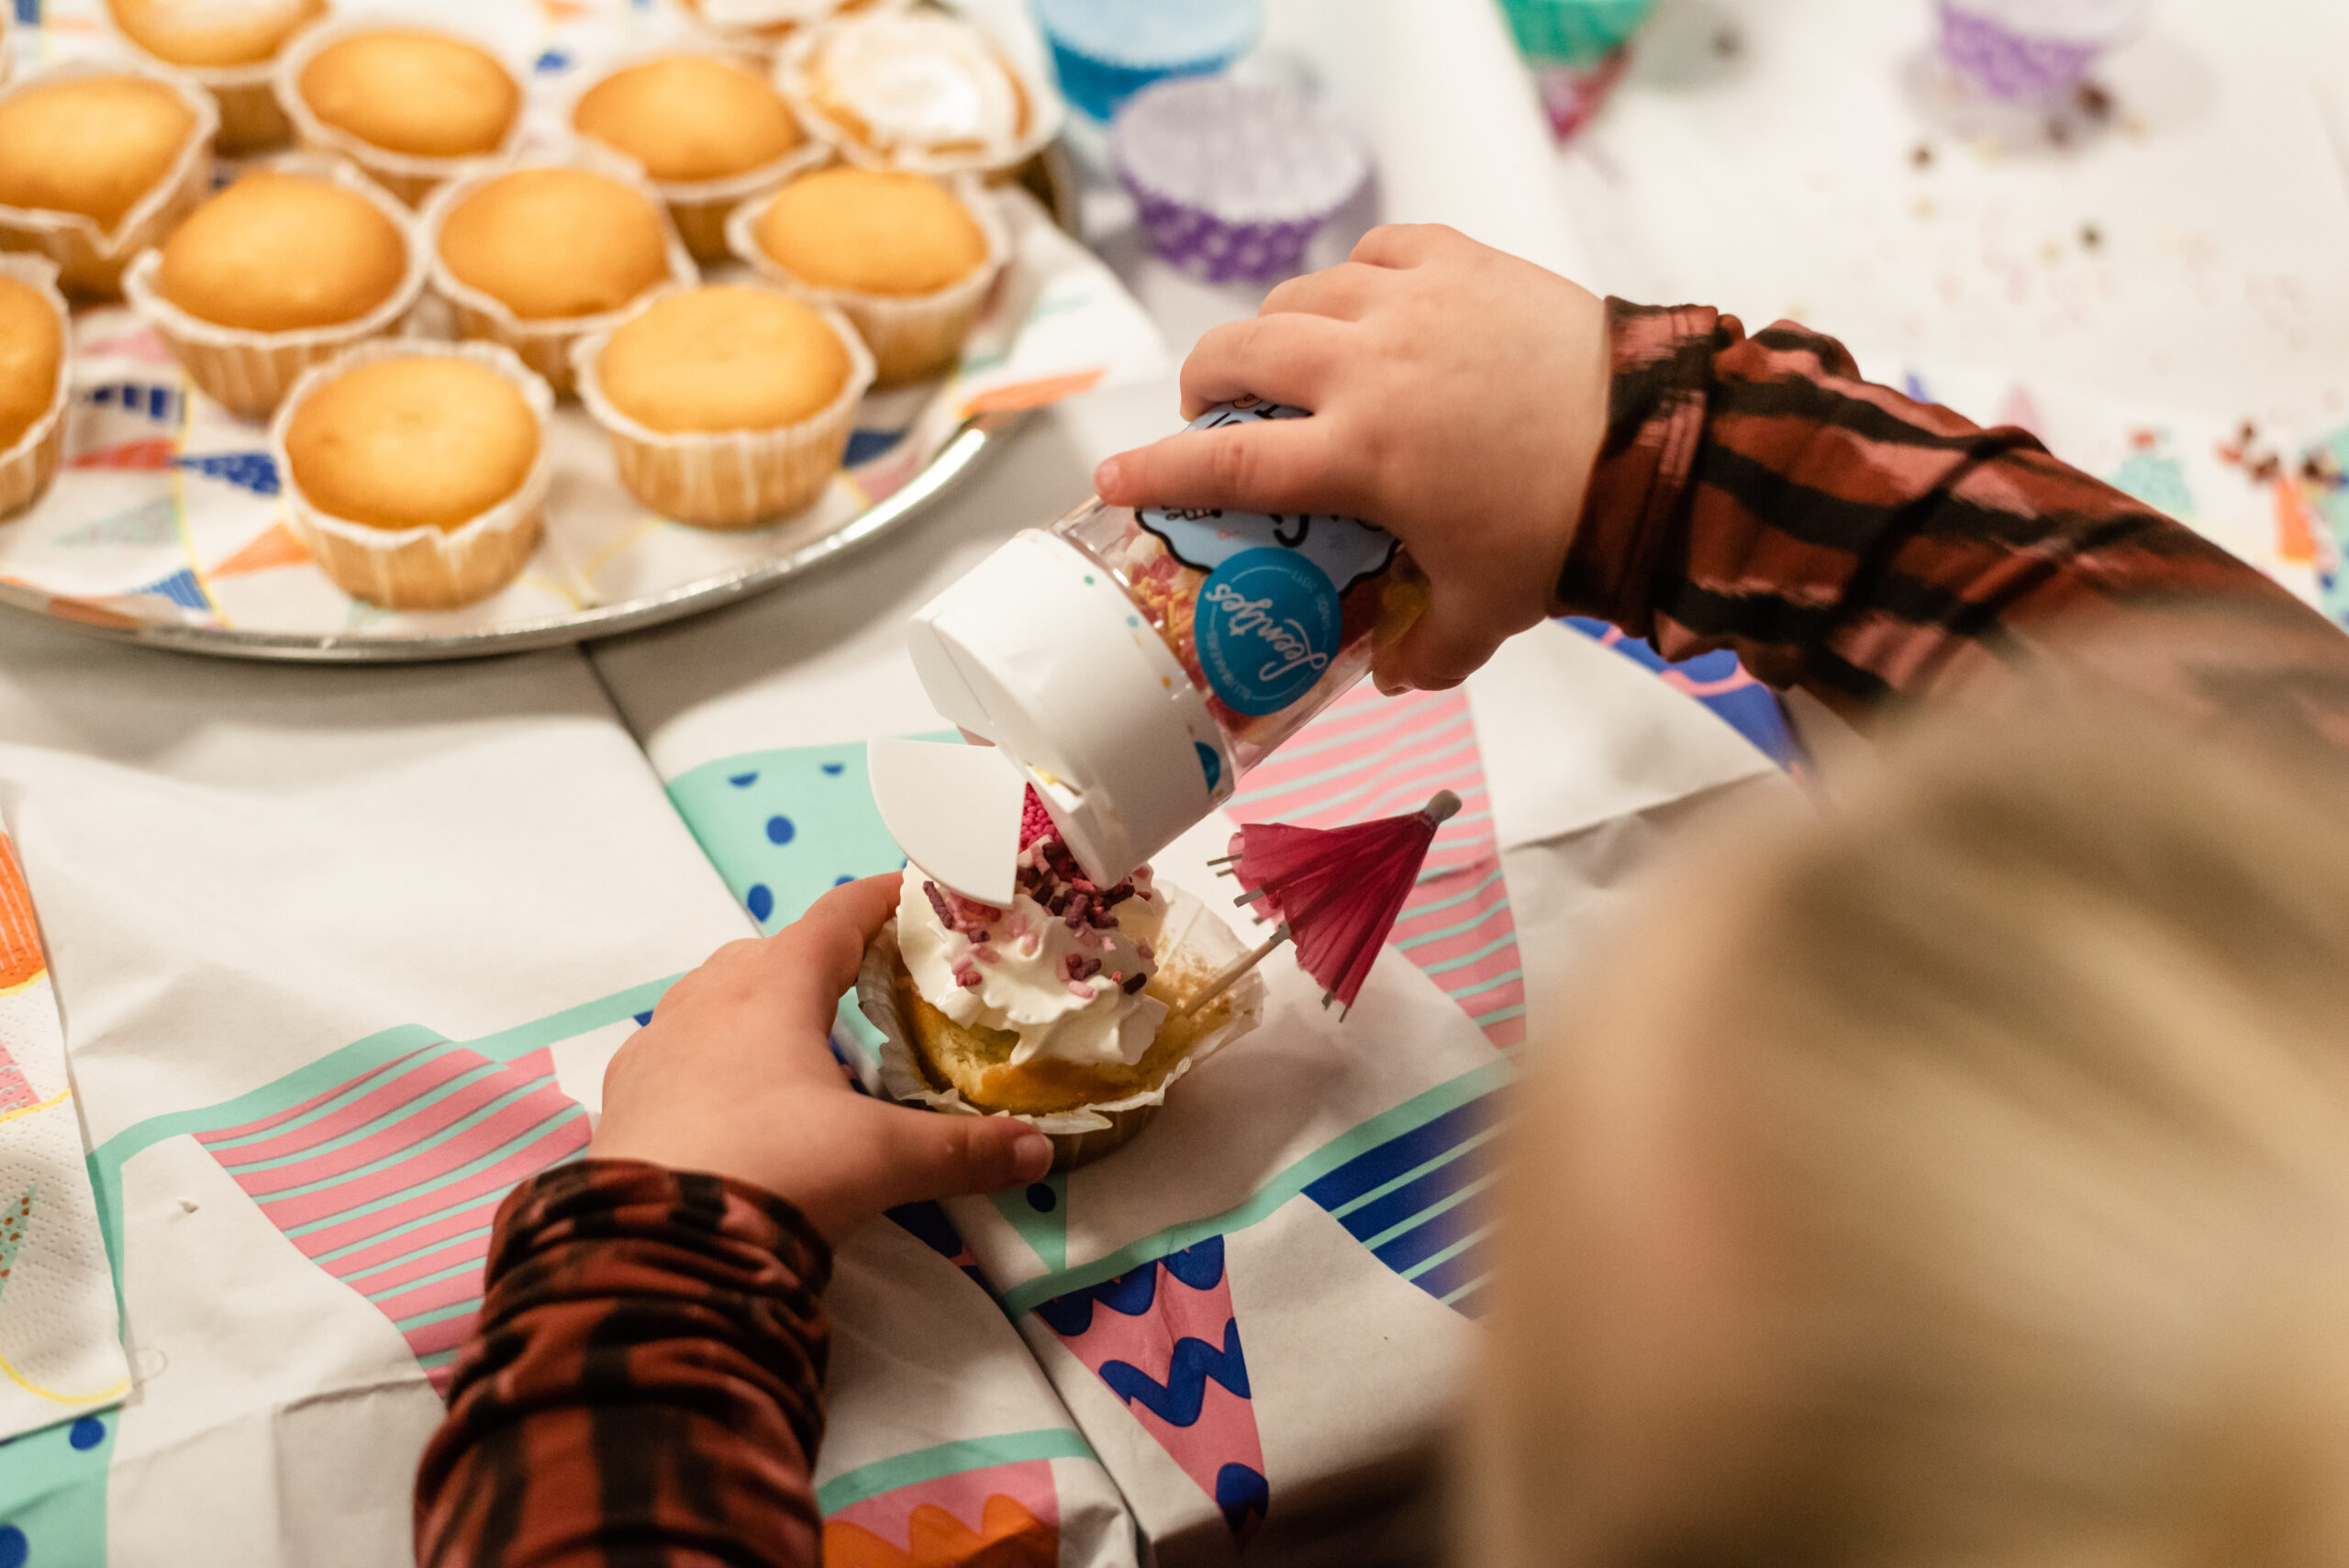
x=1163, y=1339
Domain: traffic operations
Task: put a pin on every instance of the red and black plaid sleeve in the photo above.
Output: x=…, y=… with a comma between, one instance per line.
x=645, y=1386
x=1755, y=493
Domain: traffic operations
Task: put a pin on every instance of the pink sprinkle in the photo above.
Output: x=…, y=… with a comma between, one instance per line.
x=1141, y=952
x=1077, y=988
x=987, y=955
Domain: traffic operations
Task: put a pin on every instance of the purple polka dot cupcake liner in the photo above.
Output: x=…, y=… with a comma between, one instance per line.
x=1232, y=180
x=2026, y=52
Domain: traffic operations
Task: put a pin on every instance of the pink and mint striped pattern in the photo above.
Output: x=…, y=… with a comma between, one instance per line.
x=389, y=1180
x=1370, y=756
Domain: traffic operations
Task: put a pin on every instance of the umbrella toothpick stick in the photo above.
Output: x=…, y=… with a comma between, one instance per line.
x=1228, y=975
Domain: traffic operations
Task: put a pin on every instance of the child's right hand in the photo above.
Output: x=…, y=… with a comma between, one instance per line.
x=1459, y=398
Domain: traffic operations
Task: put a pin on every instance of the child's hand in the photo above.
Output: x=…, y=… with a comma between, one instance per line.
x=733, y=1075
x=1459, y=398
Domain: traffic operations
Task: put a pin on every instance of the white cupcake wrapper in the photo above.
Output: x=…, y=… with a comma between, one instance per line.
x=408, y=175
x=1078, y=1135
x=727, y=479
x=249, y=372
x=759, y=28
x=90, y=260
x=1045, y=111
x=910, y=335
x=544, y=345
x=699, y=207
x=421, y=568
x=28, y=464
x=246, y=96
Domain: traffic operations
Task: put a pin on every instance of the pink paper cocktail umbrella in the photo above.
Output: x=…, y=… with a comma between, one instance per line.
x=1335, y=892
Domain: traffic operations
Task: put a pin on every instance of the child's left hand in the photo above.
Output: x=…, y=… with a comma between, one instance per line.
x=734, y=1075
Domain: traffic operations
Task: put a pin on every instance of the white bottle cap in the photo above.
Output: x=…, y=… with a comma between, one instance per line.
x=1040, y=650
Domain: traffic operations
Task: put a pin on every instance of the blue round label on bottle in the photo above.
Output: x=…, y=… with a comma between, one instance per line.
x=1266, y=626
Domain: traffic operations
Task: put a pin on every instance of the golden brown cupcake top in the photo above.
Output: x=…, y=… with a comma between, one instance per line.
x=549, y=243
x=689, y=117
x=213, y=32
x=871, y=231
x=407, y=90
x=723, y=358
x=32, y=341
x=91, y=145
x=278, y=252
x=426, y=442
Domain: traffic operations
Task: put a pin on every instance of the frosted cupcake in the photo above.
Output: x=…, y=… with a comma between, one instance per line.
x=416, y=472
x=284, y=269
x=97, y=164
x=36, y=378
x=538, y=255
x=707, y=131
x=921, y=91
x=906, y=258
x=1064, y=1009
x=231, y=47
x=412, y=106
x=726, y=407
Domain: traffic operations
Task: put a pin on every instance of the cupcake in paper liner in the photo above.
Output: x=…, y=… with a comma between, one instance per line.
x=918, y=90
x=710, y=131
x=416, y=472
x=726, y=407
x=338, y=86
x=146, y=135
x=36, y=378
x=230, y=48
x=1233, y=179
x=2030, y=50
x=908, y=258
x=244, y=312
x=539, y=253
x=1063, y=1021
x=1104, y=52
x=762, y=26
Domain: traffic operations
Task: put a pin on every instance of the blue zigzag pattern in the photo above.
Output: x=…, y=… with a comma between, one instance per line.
x=927, y=1222
x=1199, y=1266
x=1177, y=1400
x=250, y=470
x=1245, y=1497
x=1416, y=1201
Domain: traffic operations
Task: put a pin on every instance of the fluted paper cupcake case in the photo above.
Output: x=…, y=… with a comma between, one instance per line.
x=1084, y=1134
x=1573, y=32
x=1045, y=111
x=699, y=207
x=2032, y=58
x=727, y=479
x=246, y=96
x=760, y=30
x=249, y=372
x=1211, y=236
x=544, y=344
x=911, y=335
x=29, y=462
x=90, y=260
x=409, y=176
x=421, y=568
x=1102, y=61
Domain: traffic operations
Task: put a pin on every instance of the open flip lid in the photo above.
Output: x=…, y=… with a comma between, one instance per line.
x=1038, y=651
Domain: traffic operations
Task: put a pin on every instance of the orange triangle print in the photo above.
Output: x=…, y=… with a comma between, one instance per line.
x=20, y=956
x=276, y=547
x=1008, y=1537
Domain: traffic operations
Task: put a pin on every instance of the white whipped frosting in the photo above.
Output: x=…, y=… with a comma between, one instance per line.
x=1023, y=987
x=922, y=82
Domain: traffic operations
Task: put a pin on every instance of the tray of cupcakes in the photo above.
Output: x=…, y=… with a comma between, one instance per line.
x=354, y=337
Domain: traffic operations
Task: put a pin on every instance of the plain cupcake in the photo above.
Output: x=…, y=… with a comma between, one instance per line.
x=231, y=47
x=537, y=255
x=36, y=377
x=285, y=269
x=412, y=106
x=708, y=131
x=906, y=258
x=727, y=405
x=96, y=164
x=416, y=472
